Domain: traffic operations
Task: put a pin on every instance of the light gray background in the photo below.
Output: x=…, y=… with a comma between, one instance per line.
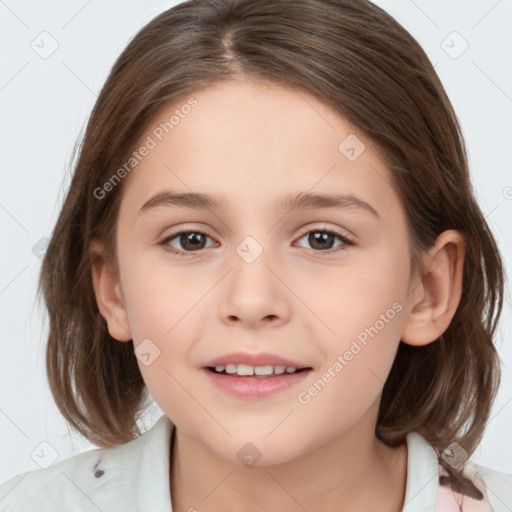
x=44, y=105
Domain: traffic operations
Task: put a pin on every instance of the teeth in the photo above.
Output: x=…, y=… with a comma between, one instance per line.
x=263, y=370
x=244, y=369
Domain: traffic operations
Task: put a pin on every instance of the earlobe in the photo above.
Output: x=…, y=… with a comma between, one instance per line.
x=107, y=290
x=434, y=298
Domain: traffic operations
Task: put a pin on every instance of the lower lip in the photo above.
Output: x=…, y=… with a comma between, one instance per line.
x=255, y=387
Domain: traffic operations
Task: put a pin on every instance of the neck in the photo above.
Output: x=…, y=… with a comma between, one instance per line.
x=352, y=472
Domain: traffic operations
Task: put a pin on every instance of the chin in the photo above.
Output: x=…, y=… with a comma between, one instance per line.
x=256, y=451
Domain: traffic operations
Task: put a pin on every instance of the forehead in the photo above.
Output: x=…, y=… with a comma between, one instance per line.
x=253, y=141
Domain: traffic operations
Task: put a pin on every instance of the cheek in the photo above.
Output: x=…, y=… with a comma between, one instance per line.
x=365, y=311
x=163, y=305
x=158, y=295
x=356, y=368
x=370, y=292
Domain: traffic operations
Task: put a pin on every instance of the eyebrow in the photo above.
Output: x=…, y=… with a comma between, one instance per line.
x=301, y=200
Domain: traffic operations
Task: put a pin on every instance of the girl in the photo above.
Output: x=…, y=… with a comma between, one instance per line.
x=271, y=231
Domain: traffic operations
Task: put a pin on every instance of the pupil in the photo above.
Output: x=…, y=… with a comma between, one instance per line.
x=323, y=239
x=191, y=241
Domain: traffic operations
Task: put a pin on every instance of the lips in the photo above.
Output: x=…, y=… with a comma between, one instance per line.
x=254, y=376
x=255, y=387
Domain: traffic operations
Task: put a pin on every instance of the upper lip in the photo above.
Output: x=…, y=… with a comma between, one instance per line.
x=260, y=359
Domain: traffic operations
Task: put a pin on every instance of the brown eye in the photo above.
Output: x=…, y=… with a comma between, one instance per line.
x=323, y=239
x=187, y=241
x=192, y=241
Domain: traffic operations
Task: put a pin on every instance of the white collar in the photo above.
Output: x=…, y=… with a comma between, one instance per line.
x=422, y=475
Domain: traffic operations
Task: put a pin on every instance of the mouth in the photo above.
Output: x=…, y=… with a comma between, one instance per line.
x=251, y=376
x=258, y=372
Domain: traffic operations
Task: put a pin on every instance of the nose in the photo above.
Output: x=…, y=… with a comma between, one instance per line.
x=253, y=294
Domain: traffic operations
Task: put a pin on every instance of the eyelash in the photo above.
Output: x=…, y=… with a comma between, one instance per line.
x=165, y=241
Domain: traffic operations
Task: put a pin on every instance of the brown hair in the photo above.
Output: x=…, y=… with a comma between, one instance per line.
x=359, y=60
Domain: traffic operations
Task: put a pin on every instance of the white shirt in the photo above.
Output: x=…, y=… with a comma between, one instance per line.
x=135, y=477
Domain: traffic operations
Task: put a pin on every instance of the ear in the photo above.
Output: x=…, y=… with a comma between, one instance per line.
x=107, y=289
x=435, y=296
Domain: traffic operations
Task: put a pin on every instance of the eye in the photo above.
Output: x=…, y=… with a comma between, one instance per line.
x=190, y=241
x=193, y=241
x=322, y=239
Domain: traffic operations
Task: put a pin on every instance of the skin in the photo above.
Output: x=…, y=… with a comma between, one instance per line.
x=255, y=142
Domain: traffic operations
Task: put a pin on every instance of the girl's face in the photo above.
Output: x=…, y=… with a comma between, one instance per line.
x=257, y=275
